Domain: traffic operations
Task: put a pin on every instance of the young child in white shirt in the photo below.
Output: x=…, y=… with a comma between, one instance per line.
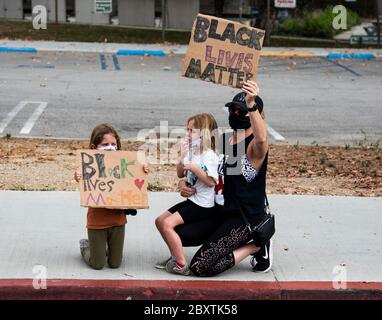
x=198, y=162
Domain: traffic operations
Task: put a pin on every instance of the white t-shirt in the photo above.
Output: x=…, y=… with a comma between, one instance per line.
x=207, y=161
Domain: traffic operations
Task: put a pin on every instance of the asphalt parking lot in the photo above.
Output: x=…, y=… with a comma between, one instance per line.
x=307, y=100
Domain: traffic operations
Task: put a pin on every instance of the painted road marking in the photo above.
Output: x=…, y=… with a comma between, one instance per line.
x=103, y=61
x=11, y=115
x=104, y=65
x=116, y=62
x=14, y=49
x=31, y=121
x=277, y=136
x=158, y=53
x=343, y=67
x=35, y=66
x=34, y=117
x=362, y=56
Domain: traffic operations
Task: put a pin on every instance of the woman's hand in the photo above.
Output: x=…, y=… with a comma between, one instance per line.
x=185, y=190
x=146, y=168
x=252, y=90
x=78, y=175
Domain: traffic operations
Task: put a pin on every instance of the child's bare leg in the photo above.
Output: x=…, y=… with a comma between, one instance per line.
x=172, y=238
x=159, y=223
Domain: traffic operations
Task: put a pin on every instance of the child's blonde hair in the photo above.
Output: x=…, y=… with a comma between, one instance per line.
x=206, y=123
x=99, y=132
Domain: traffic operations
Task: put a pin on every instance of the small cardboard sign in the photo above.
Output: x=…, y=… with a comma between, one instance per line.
x=222, y=51
x=112, y=179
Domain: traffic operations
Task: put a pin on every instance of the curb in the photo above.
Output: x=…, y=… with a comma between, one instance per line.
x=186, y=290
x=162, y=53
x=287, y=54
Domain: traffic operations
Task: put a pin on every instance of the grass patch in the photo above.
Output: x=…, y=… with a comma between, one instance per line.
x=155, y=186
x=366, y=143
x=22, y=188
x=87, y=33
x=23, y=30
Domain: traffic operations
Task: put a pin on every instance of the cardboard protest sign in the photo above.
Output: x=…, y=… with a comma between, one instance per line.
x=112, y=179
x=222, y=51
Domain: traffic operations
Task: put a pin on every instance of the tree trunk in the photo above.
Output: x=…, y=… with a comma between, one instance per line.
x=219, y=8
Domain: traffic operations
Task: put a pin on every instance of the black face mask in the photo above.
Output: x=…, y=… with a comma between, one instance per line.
x=237, y=122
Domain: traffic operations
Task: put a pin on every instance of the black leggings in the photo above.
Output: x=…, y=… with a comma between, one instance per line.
x=220, y=236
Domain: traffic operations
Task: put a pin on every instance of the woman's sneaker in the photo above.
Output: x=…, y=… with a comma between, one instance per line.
x=264, y=258
x=173, y=267
x=162, y=264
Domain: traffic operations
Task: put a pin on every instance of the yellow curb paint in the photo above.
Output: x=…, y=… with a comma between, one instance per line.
x=287, y=54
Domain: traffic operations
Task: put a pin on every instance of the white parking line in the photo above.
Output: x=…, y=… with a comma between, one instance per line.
x=12, y=114
x=32, y=120
x=277, y=136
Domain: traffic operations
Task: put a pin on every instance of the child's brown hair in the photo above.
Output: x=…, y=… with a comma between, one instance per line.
x=206, y=123
x=99, y=132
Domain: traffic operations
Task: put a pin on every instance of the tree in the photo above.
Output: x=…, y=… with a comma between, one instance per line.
x=219, y=8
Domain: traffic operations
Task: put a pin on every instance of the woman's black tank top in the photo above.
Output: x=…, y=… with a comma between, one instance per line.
x=251, y=195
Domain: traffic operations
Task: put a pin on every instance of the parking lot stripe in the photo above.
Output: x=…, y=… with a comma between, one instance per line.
x=32, y=120
x=103, y=61
x=12, y=114
x=343, y=67
x=277, y=136
x=116, y=62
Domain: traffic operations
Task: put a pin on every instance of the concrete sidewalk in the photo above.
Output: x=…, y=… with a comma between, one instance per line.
x=160, y=50
x=317, y=238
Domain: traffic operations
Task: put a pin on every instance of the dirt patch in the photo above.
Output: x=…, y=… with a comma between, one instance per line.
x=49, y=164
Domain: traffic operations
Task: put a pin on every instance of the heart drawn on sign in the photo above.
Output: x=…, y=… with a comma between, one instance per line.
x=139, y=183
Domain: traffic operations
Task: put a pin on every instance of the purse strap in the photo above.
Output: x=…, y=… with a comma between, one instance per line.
x=244, y=217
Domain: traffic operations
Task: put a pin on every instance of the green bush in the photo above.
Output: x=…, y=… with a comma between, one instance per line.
x=317, y=24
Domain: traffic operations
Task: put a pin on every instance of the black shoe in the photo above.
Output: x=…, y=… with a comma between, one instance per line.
x=132, y=212
x=264, y=258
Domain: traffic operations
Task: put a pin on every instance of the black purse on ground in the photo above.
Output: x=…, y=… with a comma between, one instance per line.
x=265, y=229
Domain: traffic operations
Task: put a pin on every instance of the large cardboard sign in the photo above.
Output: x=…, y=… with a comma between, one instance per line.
x=112, y=179
x=222, y=51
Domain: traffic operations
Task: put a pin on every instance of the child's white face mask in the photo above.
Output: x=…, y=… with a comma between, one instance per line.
x=196, y=143
x=107, y=148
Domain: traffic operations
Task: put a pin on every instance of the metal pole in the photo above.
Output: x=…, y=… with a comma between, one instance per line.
x=240, y=10
x=164, y=19
x=267, y=28
x=378, y=23
x=56, y=11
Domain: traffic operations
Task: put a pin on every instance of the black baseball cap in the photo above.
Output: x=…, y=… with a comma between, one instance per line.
x=239, y=101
